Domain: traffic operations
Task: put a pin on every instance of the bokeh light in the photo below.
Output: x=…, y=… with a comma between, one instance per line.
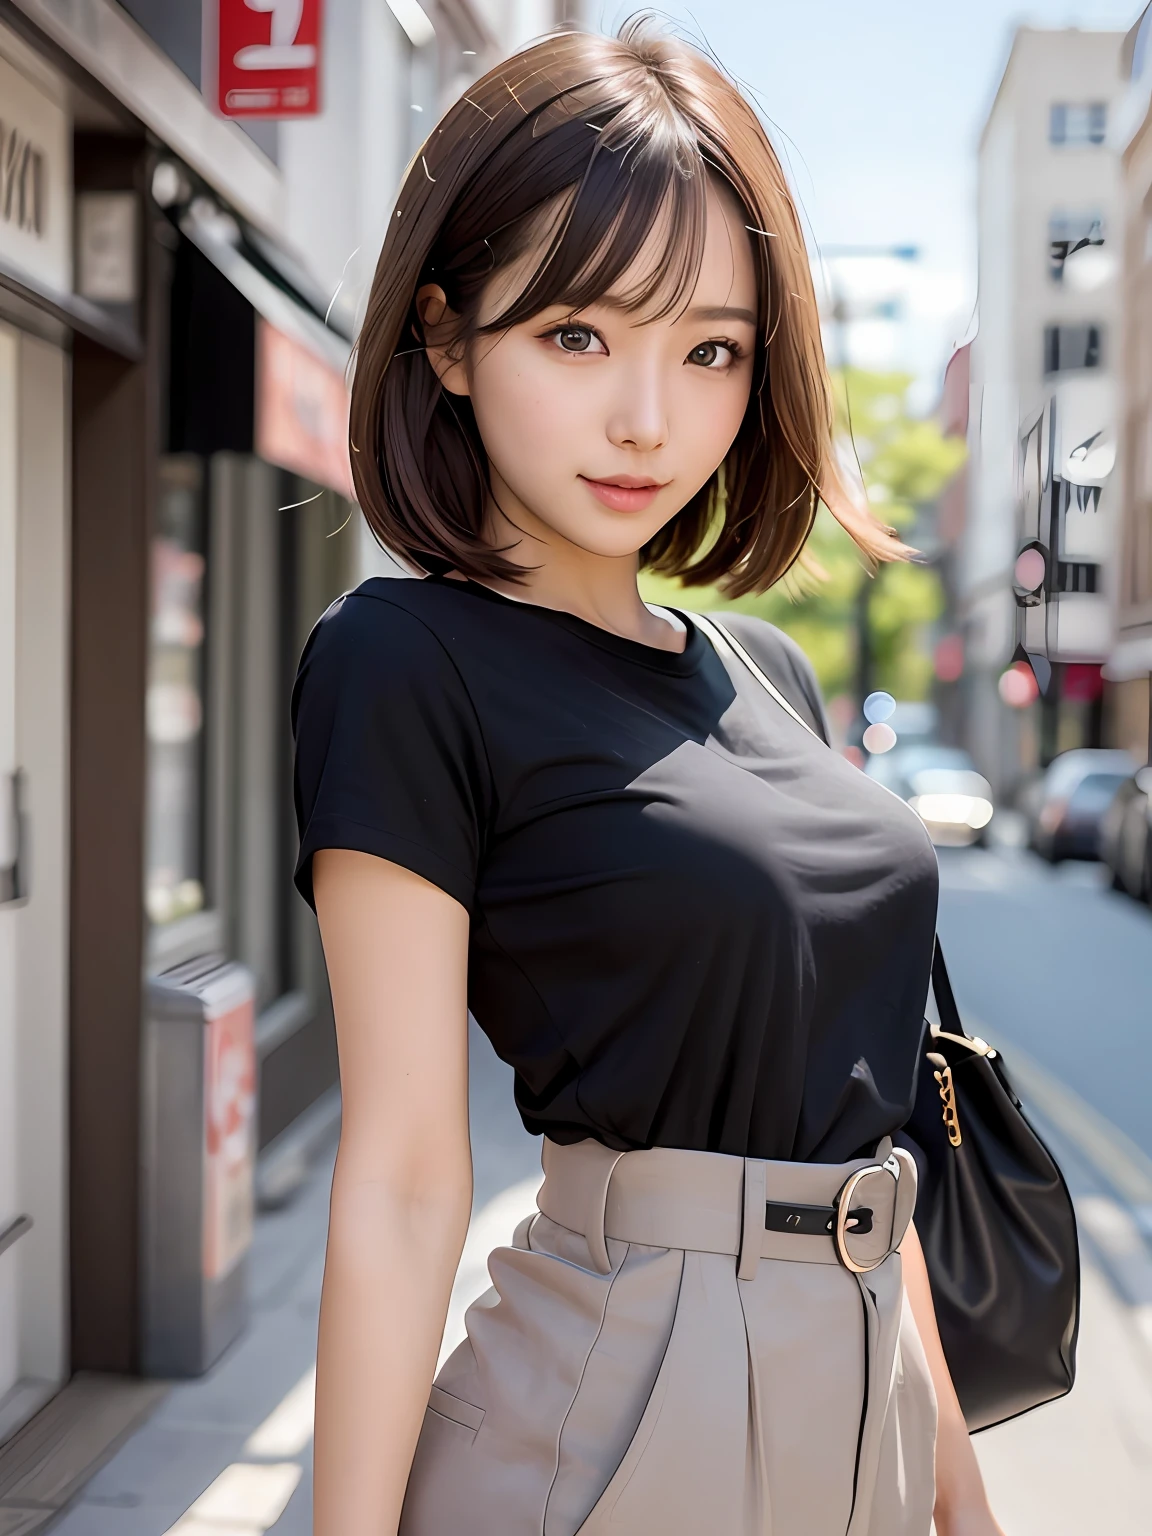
x=948, y=658
x=879, y=738
x=878, y=707
x=1017, y=686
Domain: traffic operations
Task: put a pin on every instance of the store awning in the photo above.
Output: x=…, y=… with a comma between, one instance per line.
x=216, y=235
x=301, y=391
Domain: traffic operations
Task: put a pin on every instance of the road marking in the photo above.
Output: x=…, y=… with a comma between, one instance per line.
x=243, y=1501
x=288, y=1428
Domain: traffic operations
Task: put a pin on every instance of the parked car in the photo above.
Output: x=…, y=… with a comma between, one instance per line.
x=1126, y=836
x=942, y=786
x=1066, y=809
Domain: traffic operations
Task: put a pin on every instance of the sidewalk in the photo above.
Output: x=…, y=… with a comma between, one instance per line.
x=230, y=1455
x=1083, y=1464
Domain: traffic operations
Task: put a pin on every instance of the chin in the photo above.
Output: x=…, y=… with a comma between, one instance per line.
x=608, y=549
x=626, y=533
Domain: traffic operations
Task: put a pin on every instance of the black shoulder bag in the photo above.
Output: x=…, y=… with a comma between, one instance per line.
x=997, y=1226
x=993, y=1212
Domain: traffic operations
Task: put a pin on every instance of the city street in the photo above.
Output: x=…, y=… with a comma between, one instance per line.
x=1051, y=964
x=922, y=453
x=1058, y=964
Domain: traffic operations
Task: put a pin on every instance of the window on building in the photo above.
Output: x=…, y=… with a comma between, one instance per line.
x=1077, y=123
x=1077, y=576
x=1072, y=346
x=1068, y=232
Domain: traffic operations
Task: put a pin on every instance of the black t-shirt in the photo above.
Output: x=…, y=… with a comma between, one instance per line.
x=693, y=925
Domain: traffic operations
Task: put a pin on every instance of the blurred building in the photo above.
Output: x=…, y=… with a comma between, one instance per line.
x=1042, y=430
x=1130, y=667
x=178, y=296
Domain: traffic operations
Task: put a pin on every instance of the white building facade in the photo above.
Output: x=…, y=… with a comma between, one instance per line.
x=1043, y=409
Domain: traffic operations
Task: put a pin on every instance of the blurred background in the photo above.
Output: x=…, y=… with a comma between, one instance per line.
x=192, y=197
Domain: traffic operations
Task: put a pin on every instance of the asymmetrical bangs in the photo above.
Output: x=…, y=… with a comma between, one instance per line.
x=603, y=186
x=559, y=168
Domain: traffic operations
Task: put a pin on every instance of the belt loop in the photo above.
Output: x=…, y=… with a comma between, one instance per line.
x=752, y=1226
x=575, y=1192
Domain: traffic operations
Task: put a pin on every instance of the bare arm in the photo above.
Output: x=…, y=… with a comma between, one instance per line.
x=396, y=948
x=961, y=1503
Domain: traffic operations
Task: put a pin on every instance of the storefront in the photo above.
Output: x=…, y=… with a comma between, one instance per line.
x=254, y=538
x=234, y=534
x=174, y=516
x=36, y=296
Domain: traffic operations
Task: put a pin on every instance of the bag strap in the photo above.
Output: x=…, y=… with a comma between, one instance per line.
x=945, y=998
x=724, y=640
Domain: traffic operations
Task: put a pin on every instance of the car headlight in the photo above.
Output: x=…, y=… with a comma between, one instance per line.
x=953, y=810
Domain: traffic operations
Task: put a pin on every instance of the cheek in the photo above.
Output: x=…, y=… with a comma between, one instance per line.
x=526, y=416
x=708, y=417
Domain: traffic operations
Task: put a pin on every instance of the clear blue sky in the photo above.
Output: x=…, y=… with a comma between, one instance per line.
x=878, y=104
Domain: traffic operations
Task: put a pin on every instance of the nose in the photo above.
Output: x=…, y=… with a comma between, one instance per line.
x=639, y=415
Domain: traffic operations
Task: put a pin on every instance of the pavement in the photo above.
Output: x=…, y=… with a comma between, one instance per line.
x=230, y=1454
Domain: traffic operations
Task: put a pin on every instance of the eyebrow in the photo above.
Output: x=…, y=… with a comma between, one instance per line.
x=697, y=312
x=720, y=312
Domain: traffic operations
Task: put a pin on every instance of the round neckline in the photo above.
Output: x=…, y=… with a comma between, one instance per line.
x=678, y=663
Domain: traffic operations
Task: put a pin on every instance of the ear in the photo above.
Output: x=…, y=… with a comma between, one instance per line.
x=439, y=324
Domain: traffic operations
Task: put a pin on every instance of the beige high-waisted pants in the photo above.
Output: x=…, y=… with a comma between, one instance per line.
x=651, y=1361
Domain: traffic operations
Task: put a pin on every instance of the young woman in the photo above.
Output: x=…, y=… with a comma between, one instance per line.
x=701, y=938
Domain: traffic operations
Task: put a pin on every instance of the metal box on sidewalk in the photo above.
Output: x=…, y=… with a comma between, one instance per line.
x=198, y=1146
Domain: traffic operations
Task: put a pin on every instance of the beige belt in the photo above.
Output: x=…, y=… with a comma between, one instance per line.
x=854, y=1214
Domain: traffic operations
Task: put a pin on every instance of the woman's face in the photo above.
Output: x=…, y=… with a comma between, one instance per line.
x=600, y=425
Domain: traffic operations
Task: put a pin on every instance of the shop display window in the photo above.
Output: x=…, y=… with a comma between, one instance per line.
x=175, y=702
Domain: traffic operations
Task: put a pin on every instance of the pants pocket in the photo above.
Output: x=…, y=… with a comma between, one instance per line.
x=445, y=1406
x=684, y=1471
x=441, y=1498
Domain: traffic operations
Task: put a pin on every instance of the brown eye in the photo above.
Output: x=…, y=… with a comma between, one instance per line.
x=710, y=354
x=574, y=338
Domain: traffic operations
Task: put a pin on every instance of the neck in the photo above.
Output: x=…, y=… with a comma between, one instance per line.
x=601, y=589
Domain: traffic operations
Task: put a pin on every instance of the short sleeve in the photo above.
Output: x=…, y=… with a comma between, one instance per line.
x=389, y=757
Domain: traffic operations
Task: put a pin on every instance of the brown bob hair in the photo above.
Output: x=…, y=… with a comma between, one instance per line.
x=615, y=136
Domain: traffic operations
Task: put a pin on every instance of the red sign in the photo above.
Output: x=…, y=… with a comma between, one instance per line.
x=301, y=411
x=262, y=57
x=1083, y=682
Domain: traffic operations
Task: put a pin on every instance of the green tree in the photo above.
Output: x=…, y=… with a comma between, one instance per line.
x=905, y=463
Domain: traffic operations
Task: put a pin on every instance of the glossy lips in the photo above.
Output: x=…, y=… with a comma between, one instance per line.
x=624, y=493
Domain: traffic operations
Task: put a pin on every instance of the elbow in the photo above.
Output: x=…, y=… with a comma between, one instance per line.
x=422, y=1202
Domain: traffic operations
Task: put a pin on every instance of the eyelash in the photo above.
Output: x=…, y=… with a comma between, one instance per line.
x=732, y=347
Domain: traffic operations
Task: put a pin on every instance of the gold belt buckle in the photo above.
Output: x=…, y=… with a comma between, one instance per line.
x=842, y=1205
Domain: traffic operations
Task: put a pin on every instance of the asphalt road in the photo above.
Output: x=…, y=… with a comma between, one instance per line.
x=1058, y=963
